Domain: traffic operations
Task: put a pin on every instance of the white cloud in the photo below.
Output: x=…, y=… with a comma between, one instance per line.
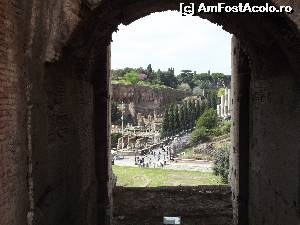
x=171, y=40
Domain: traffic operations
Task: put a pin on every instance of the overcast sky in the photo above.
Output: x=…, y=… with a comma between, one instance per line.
x=171, y=40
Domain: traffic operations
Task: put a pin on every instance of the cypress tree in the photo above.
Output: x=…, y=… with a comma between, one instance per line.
x=181, y=118
x=172, y=119
x=198, y=109
x=185, y=116
x=176, y=119
x=166, y=123
x=190, y=114
x=194, y=112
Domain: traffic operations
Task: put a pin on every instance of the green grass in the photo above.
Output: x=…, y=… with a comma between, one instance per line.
x=150, y=177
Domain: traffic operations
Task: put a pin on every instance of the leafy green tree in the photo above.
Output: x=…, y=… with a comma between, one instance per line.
x=168, y=78
x=184, y=87
x=132, y=77
x=209, y=119
x=219, y=79
x=221, y=163
x=221, y=92
x=199, y=135
x=212, y=98
x=203, y=80
x=186, y=76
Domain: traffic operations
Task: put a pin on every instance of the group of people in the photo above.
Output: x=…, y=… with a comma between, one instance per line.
x=155, y=158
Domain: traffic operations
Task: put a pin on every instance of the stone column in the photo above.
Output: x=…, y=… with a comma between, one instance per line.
x=229, y=101
x=226, y=102
x=219, y=110
x=222, y=106
x=240, y=83
x=103, y=170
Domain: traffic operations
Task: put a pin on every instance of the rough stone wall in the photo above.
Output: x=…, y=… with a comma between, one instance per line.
x=145, y=99
x=49, y=168
x=274, y=144
x=47, y=153
x=201, y=205
x=14, y=201
x=68, y=192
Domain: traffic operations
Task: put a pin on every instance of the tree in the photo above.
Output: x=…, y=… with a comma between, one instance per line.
x=184, y=122
x=186, y=76
x=221, y=162
x=115, y=113
x=152, y=76
x=193, y=112
x=184, y=87
x=198, y=109
x=219, y=79
x=177, y=125
x=221, y=92
x=203, y=80
x=149, y=69
x=168, y=78
x=181, y=118
x=132, y=77
x=209, y=119
x=172, y=118
x=166, y=123
x=200, y=134
x=212, y=99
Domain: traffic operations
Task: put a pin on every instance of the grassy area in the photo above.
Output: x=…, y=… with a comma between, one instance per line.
x=149, y=177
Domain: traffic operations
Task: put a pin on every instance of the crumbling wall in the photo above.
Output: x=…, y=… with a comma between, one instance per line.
x=54, y=160
x=47, y=153
x=146, y=99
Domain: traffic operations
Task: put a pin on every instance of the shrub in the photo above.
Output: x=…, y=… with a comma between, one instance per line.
x=221, y=129
x=132, y=77
x=200, y=134
x=209, y=119
x=225, y=127
x=221, y=162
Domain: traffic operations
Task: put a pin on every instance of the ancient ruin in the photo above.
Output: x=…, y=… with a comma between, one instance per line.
x=145, y=100
x=224, y=108
x=55, y=165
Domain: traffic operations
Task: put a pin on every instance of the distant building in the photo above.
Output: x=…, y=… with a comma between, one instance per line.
x=224, y=109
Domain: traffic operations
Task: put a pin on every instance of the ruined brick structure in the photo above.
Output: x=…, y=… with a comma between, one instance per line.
x=54, y=110
x=146, y=100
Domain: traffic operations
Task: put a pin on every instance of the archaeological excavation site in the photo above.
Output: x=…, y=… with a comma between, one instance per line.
x=58, y=164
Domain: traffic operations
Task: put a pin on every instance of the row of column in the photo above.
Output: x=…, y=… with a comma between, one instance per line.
x=224, y=109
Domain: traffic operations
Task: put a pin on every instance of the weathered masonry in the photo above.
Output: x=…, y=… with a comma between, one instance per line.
x=55, y=102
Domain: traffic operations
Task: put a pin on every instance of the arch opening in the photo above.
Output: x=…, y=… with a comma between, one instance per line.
x=58, y=142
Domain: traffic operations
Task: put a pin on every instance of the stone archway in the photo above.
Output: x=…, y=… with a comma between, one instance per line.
x=54, y=61
x=262, y=49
